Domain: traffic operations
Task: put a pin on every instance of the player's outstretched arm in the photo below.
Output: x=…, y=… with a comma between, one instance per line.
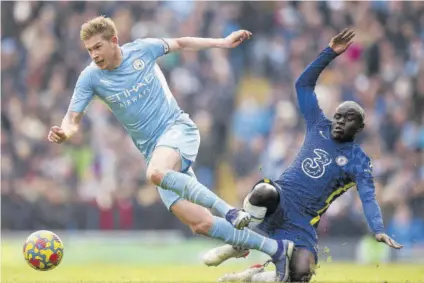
x=83, y=94
x=306, y=82
x=366, y=189
x=198, y=43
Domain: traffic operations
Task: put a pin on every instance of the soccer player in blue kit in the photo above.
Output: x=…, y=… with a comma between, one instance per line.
x=128, y=80
x=328, y=164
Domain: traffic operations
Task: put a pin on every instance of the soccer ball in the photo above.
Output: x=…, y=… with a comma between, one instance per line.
x=43, y=250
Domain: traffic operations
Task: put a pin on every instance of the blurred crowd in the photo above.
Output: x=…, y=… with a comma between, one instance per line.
x=242, y=100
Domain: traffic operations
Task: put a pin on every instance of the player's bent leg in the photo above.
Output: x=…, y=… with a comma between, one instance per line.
x=196, y=217
x=161, y=172
x=280, y=251
x=164, y=159
x=302, y=265
x=217, y=256
x=202, y=222
x=262, y=199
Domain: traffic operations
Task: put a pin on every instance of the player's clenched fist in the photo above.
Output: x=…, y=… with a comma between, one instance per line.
x=56, y=135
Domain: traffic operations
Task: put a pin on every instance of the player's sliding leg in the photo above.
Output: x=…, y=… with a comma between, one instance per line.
x=202, y=222
x=161, y=174
x=301, y=270
x=302, y=266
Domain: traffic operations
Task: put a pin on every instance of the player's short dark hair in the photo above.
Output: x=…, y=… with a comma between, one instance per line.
x=356, y=107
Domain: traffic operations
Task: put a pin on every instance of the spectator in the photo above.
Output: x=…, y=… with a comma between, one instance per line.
x=243, y=101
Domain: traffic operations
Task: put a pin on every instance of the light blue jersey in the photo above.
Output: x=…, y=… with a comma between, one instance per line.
x=136, y=92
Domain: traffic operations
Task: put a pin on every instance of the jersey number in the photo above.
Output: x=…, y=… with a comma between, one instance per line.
x=315, y=167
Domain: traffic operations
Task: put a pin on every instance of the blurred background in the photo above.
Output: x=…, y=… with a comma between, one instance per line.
x=242, y=100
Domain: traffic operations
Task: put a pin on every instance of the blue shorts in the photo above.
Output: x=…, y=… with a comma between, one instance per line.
x=294, y=226
x=184, y=137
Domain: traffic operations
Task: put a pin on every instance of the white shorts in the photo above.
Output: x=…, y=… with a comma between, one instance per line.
x=184, y=137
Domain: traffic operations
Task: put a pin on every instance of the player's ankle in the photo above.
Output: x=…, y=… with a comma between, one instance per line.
x=280, y=250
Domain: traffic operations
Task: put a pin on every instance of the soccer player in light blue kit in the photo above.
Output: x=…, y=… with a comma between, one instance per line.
x=128, y=80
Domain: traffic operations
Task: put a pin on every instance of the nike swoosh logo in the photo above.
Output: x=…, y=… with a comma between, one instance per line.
x=322, y=134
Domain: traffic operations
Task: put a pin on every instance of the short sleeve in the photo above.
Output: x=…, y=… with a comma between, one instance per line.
x=83, y=93
x=156, y=46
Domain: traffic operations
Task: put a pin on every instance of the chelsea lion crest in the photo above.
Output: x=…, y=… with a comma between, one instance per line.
x=138, y=64
x=341, y=160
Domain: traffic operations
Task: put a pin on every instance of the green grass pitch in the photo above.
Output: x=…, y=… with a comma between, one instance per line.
x=329, y=272
x=132, y=262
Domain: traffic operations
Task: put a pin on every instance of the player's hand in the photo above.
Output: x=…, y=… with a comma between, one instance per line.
x=56, y=135
x=341, y=42
x=236, y=38
x=384, y=238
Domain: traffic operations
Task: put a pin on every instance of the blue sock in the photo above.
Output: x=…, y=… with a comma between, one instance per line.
x=190, y=189
x=246, y=238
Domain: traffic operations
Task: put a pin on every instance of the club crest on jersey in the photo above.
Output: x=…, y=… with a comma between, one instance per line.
x=138, y=64
x=341, y=160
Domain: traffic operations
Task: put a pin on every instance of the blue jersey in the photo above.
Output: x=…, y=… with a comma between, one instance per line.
x=325, y=169
x=136, y=92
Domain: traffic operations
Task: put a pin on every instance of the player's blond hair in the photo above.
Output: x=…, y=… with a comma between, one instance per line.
x=99, y=25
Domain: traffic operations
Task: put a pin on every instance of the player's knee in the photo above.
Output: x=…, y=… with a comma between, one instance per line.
x=262, y=200
x=202, y=226
x=265, y=195
x=155, y=175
